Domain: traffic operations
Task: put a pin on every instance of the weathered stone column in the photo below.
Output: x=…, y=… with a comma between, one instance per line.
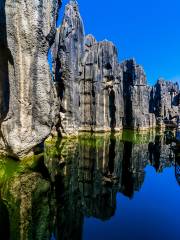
x=100, y=86
x=136, y=97
x=166, y=106
x=67, y=54
x=28, y=30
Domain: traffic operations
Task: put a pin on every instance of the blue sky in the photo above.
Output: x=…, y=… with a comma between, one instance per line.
x=149, y=31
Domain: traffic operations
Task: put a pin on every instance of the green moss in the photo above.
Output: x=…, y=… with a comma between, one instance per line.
x=138, y=137
x=10, y=168
x=55, y=147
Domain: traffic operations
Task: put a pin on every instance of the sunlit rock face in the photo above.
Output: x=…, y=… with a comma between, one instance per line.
x=165, y=99
x=67, y=53
x=101, y=87
x=27, y=94
x=136, y=97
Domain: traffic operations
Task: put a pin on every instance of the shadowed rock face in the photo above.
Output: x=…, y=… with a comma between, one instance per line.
x=5, y=58
x=28, y=97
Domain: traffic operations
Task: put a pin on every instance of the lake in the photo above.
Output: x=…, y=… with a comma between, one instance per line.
x=102, y=186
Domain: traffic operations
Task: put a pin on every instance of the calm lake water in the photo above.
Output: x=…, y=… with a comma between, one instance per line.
x=124, y=186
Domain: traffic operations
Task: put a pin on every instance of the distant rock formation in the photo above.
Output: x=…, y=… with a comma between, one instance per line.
x=166, y=102
x=136, y=97
x=27, y=93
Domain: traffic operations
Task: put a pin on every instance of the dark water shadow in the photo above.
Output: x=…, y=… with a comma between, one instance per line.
x=112, y=154
x=154, y=150
x=4, y=222
x=127, y=178
x=177, y=165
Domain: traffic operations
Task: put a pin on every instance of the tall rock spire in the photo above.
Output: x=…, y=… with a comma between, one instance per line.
x=101, y=88
x=67, y=53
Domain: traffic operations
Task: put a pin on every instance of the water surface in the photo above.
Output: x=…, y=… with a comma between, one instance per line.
x=105, y=186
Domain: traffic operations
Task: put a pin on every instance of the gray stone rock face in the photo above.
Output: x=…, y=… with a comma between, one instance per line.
x=96, y=92
x=88, y=78
x=165, y=100
x=101, y=87
x=67, y=53
x=27, y=93
x=136, y=97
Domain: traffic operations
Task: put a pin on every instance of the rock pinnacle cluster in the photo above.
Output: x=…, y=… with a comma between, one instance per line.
x=89, y=90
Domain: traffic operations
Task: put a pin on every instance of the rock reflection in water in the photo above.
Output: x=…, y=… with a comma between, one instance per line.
x=77, y=178
x=4, y=221
x=25, y=201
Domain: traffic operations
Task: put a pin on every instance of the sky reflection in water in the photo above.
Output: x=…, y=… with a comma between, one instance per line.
x=152, y=214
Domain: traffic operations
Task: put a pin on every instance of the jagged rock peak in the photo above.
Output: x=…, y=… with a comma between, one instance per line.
x=72, y=21
x=90, y=40
x=72, y=8
x=108, y=44
x=73, y=3
x=171, y=86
